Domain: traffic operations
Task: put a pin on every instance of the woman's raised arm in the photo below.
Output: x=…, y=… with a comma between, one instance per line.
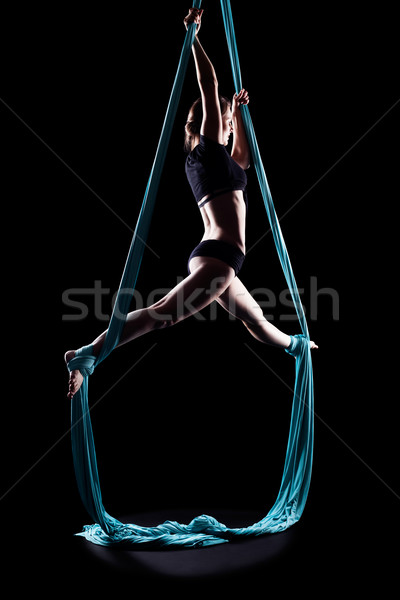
x=211, y=125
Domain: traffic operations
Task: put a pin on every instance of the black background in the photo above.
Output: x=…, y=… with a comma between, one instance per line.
x=200, y=423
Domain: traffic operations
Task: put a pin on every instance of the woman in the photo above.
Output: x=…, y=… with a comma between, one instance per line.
x=218, y=181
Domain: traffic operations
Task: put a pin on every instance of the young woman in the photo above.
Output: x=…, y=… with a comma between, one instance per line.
x=218, y=181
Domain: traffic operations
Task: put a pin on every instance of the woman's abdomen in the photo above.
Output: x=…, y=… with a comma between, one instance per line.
x=224, y=219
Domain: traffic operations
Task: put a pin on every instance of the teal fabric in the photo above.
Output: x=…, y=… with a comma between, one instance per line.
x=203, y=530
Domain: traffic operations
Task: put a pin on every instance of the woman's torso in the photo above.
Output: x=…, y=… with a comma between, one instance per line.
x=218, y=184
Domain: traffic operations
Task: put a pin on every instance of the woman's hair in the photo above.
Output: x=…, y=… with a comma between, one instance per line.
x=195, y=118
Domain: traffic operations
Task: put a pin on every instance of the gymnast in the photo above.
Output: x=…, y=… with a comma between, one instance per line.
x=218, y=181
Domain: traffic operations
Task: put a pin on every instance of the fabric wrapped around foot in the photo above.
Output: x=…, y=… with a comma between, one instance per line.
x=296, y=342
x=83, y=361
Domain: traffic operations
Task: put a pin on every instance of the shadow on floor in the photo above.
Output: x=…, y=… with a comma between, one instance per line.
x=229, y=560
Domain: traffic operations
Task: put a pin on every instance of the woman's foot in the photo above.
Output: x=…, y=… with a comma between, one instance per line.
x=75, y=377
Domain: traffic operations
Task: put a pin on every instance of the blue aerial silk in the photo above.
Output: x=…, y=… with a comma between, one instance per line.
x=203, y=530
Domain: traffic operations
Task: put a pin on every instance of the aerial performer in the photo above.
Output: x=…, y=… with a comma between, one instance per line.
x=219, y=184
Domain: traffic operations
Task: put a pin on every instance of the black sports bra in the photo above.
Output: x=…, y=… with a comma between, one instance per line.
x=212, y=171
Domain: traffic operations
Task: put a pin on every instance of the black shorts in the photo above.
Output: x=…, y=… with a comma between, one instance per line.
x=228, y=253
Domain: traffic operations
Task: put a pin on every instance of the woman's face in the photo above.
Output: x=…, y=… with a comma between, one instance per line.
x=227, y=127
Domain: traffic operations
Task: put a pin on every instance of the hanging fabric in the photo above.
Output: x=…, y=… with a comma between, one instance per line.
x=203, y=530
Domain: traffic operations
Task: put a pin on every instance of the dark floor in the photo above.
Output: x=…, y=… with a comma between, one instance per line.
x=344, y=549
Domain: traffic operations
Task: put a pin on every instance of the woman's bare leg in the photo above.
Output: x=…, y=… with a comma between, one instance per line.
x=240, y=303
x=209, y=278
x=207, y=281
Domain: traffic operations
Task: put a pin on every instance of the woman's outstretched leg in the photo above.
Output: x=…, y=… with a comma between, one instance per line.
x=240, y=303
x=207, y=281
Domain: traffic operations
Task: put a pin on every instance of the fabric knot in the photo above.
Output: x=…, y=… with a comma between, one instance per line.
x=296, y=343
x=83, y=361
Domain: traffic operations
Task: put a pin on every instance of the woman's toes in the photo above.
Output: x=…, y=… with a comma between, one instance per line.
x=75, y=377
x=75, y=382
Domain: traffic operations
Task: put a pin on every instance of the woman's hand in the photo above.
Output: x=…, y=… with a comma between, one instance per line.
x=194, y=16
x=241, y=98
